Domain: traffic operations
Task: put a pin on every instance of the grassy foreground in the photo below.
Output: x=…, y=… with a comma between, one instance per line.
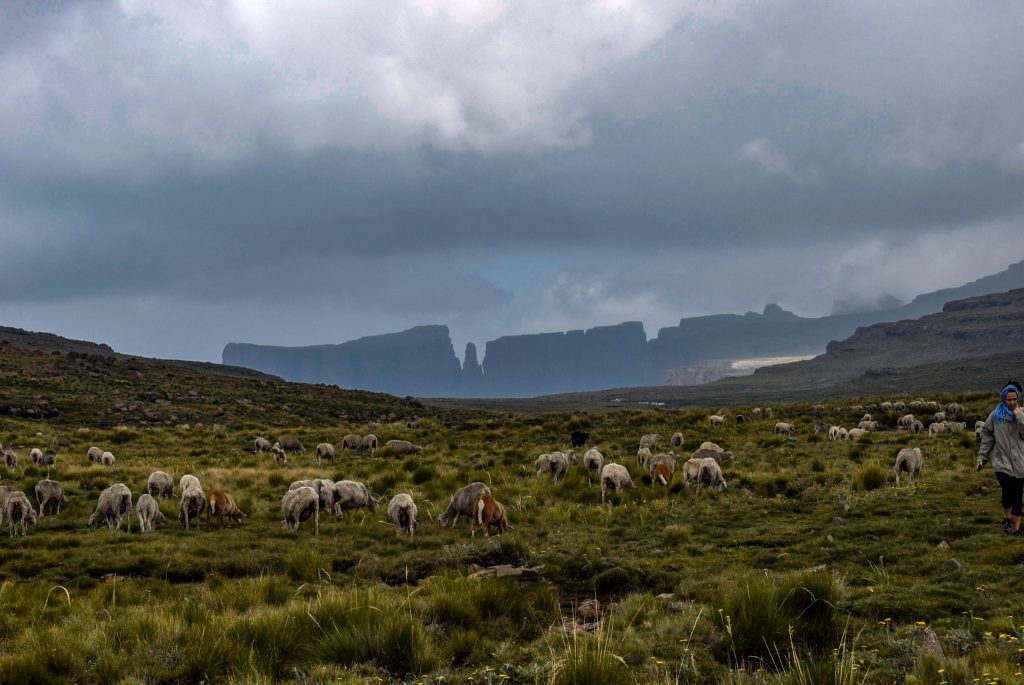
x=812, y=567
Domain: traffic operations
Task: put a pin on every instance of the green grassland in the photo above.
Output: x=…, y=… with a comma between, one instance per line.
x=812, y=567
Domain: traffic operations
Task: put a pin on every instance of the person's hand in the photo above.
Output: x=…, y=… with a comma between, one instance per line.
x=980, y=465
x=1018, y=412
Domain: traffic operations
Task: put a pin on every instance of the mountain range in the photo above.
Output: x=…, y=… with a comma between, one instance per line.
x=421, y=361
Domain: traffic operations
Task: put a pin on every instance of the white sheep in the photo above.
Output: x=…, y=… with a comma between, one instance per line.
x=650, y=440
x=402, y=447
x=676, y=440
x=717, y=420
x=908, y=461
x=691, y=468
x=643, y=457
x=350, y=495
x=937, y=428
x=593, y=459
x=718, y=455
x=708, y=445
x=94, y=453
x=10, y=458
x=114, y=505
x=148, y=512
x=843, y=434
x=709, y=475
x=262, y=445
x=188, y=480
x=160, y=484
x=870, y=426
x=35, y=455
x=50, y=496
x=614, y=477
x=191, y=506
x=558, y=464
x=301, y=504
x=782, y=428
x=325, y=450
x=856, y=433
x=325, y=490
x=19, y=512
x=107, y=459
x=402, y=513
x=906, y=421
x=833, y=432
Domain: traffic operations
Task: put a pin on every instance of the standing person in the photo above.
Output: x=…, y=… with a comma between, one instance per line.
x=1002, y=440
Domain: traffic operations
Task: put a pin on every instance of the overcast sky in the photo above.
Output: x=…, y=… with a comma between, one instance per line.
x=178, y=175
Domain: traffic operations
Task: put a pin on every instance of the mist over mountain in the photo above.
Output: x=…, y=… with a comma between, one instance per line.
x=421, y=361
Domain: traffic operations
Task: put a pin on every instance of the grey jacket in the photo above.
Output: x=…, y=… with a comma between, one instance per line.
x=1003, y=443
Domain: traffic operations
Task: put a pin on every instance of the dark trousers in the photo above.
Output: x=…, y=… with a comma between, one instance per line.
x=1013, y=491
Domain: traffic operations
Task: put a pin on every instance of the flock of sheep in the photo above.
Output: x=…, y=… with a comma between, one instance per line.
x=307, y=499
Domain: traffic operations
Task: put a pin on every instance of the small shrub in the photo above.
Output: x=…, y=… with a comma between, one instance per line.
x=870, y=476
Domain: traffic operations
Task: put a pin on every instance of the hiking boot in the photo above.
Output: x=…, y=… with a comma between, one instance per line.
x=1019, y=532
x=1007, y=526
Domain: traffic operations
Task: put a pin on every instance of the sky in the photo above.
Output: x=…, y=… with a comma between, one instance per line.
x=176, y=176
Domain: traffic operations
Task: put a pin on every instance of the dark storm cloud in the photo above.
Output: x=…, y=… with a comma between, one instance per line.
x=361, y=152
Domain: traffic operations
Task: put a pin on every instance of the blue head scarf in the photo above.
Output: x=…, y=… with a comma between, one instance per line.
x=1003, y=412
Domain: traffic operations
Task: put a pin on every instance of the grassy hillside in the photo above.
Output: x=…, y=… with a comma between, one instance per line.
x=811, y=567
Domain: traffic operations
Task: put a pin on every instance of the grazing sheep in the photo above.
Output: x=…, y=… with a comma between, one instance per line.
x=710, y=475
x=578, y=439
x=769, y=412
x=402, y=513
x=977, y=428
x=402, y=447
x=290, y=443
x=107, y=459
x=593, y=459
x=855, y=433
x=866, y=417
x=49, y=458
x=940, y=417
x=115, y=504
x=188, y=480
x=462, y=504
x=352, y=442
x=280, y=456
x=94, y=453
x=5, y=492
x=325, y=450
x=818, y=410
x=301, y=504
x=937, y=428
x=148, y=512
x=10, y=458
x=614, y=477
x=191, y=505
x=783, y=428
x=833, y=432
x=542, y=464
x=222, y=504
x=662, y=474
x=19, y=512
x=668, y=459
x=740, y=418
x=691, y=469
x=898, y=406
x=955, y=426
x=50, y=496
x=716, y=420
x=35, y=455
x=558, y=464
x=756, y=411
x=885, y=406
x=643, y=457
x=870, y=426
x=906, y=421
x=650, y=441
x=955, y=412
x=160, y=484
x=262, y=445
x=718, y=455
x=708, y=445
x=326, y=490
x=370, y=443
x=917, y=427
x=350, y=495
x=909, y=461
x=489, y=514
x=843, y=434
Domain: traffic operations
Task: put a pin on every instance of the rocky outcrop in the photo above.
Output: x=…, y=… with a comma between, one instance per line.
x=419, y=361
